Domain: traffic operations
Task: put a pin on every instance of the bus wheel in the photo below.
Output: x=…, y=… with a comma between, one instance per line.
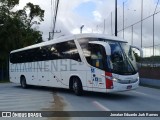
x=77, y=86
x=23, y=82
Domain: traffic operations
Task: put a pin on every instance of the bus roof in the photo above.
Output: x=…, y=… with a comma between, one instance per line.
x=71, y=37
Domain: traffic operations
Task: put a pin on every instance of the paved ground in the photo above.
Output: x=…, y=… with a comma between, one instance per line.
x=142, y=99
x=13, y=97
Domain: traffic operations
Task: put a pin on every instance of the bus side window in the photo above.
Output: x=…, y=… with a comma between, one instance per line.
x=97, y=56
x=94, y=53
x=87, y=52
x=54, y=54
x=68, y=50
x=74, y=54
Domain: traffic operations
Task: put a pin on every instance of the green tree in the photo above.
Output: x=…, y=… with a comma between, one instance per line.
x=17, y=27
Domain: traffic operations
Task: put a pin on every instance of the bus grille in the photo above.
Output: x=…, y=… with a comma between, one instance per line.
x=127, y=81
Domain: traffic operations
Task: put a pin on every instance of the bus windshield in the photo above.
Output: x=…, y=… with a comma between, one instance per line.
x=122, y=59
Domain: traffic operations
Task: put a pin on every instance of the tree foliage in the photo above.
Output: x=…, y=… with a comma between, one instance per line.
x=17, y=27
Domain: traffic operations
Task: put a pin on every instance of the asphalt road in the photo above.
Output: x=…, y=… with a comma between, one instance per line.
x=141, y=99
x=13, y=98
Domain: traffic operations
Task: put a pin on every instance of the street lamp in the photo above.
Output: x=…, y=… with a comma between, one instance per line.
x=81, y=28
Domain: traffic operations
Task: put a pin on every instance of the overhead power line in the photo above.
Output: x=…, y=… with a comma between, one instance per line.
x=139, y=21
x=156, y=7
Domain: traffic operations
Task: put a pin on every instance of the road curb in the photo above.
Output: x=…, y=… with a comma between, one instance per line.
x=150, y=82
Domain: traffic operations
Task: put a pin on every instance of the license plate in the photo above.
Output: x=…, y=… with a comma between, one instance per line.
x=129, y=86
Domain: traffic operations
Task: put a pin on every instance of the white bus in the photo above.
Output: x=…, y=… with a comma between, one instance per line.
x=90, y=62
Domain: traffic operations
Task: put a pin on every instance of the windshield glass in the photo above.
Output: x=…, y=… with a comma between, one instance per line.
x=121, y=61
x=122, y=58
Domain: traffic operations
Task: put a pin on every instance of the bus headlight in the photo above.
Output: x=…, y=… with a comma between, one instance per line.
x=115, y=80
x=110, y=78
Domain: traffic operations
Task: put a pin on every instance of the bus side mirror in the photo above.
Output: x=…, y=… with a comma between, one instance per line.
x=139, y=49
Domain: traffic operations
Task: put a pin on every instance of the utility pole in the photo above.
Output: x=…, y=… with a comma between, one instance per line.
x=55, y=18
x=51, y=34
x=153, y=25
x=141, y=22
x=123, y=19
x=115, y=17
x=132, y=36
x=153, y=34
x=104, y=26
x=111, y=25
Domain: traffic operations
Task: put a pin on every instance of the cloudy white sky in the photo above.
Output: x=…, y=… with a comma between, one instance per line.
x=91, y=13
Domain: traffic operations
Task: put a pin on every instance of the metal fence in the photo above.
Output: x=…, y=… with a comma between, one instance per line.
x=150, y=39
x=149, y=43
x=141, y=30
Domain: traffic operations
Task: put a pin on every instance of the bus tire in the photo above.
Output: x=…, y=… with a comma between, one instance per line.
x=77, y=86
x=23, y=82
